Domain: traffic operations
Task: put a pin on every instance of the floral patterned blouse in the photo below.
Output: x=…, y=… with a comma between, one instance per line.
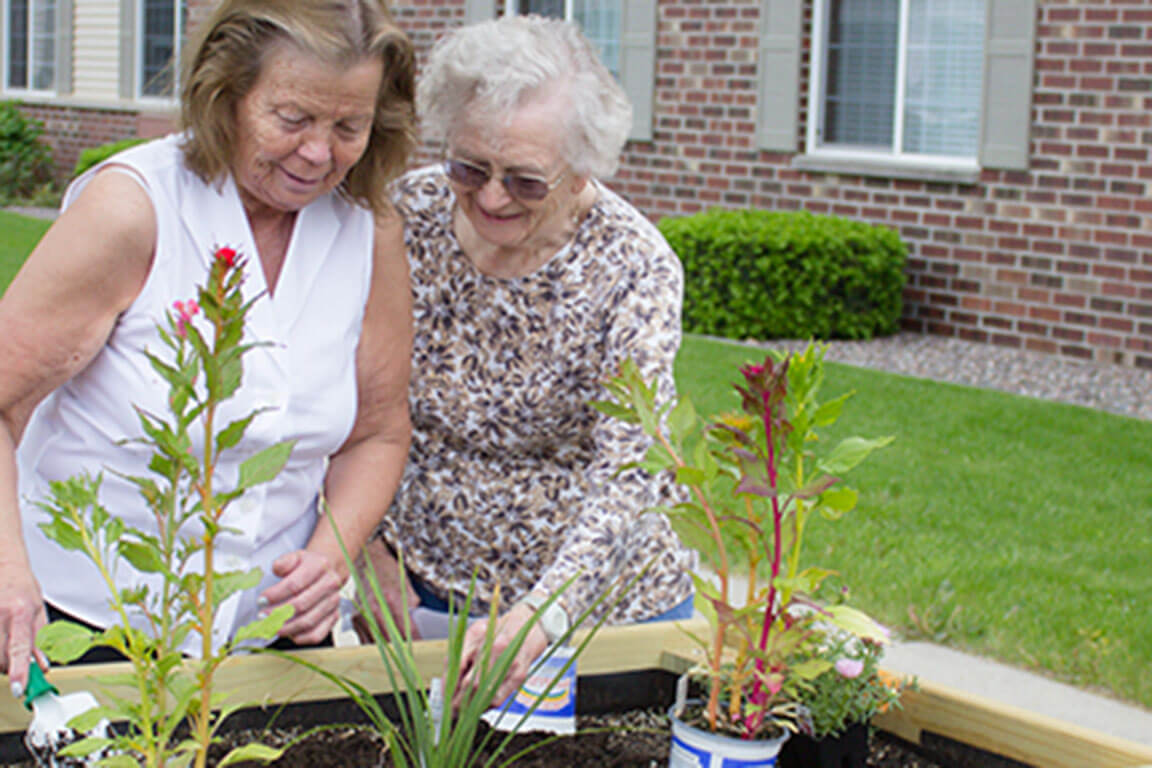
x=511, y=474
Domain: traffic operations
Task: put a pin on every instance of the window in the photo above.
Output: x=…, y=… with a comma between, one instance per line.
x=162, y=24
x=600, y=20
x=31, y=44
x=898, y=79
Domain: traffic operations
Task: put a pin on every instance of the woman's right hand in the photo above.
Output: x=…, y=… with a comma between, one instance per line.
x=397, y=591
x=22, y=615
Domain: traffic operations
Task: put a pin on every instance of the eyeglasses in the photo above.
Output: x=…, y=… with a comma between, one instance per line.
x=520, y=186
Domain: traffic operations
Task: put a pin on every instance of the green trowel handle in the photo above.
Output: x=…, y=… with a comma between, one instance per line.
x=38, y=685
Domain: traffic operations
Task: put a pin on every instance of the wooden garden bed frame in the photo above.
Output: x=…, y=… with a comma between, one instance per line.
x=933, y=710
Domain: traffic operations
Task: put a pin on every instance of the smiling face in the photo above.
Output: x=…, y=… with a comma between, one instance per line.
x=300, y=128
x=528, y=143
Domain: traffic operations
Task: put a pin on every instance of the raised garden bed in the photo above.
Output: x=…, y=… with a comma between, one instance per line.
x=633, y=668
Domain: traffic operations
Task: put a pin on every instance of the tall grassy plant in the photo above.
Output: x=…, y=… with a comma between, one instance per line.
x=430, y=732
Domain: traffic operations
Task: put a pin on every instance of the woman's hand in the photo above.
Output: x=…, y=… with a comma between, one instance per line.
x=310, y=583
x=399, y=596
x=506, y=628
x=22, y=615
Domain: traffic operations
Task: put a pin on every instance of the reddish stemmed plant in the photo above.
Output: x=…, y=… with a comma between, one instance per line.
x=753, y=480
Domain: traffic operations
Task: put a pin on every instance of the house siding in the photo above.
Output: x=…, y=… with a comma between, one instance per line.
x=1056, y=258
x=97, y=46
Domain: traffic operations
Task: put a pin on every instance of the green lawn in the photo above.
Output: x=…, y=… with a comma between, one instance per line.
x=1009, y=526
x=18, y=235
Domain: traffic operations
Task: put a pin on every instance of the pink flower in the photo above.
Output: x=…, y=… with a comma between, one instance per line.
x=185, y=311
x=849, y=668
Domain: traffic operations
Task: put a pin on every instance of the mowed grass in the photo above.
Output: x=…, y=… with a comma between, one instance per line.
x=1007, y=526
x=18, y=236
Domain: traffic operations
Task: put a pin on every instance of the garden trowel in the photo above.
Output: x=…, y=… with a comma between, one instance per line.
x=49, y=731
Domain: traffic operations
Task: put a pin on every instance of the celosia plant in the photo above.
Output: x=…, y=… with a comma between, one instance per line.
x=187, y=503
x=754, y=481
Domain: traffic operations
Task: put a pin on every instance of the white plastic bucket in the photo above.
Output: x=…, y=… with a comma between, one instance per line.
x=694, y=748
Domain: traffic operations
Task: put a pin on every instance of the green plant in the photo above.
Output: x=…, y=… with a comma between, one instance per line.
x=93, y=155
x=755, y=479
x=25, y=161
x=439, y=719
x=851, y=690
x=187, y=503
x=787, y=274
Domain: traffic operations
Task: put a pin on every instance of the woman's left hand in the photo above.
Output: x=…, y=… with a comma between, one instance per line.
x=506, y=628
x=310, y=583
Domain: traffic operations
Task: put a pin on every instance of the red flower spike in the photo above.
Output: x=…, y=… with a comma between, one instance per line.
x=226, y=255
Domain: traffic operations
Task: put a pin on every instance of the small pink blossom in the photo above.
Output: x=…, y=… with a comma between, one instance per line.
x=185, y=311
x=849, y=668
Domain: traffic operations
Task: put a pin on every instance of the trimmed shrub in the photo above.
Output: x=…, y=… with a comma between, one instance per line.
x=25, y=162
x=94, y=155
x=787, y=275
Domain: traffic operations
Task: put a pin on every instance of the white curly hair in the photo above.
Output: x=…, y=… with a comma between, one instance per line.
x=483, y=72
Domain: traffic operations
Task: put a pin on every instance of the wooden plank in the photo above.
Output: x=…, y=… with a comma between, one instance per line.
x=261, y=679
x=955, y=714
x=1007, y=730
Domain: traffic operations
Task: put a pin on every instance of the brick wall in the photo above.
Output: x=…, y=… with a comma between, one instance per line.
x=71, y=130
x=1056, y=259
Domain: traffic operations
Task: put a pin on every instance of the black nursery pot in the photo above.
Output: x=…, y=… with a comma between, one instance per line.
x=848, y=750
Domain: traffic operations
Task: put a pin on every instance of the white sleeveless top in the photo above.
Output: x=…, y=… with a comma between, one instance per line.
x=304, y=375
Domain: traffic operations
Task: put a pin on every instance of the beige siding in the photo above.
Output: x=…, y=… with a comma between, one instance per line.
x=96, y=59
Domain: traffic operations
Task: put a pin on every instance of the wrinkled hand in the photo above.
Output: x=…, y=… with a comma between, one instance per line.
x=399, y=596
x=506, y=628
x=22, y=615
x=310, y=583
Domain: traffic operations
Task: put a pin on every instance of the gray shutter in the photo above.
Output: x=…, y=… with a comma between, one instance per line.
x=65, y=22
x=1006, y=125
x=778, y=74
x=638, y=63
x=479, y=10
x=127, y=84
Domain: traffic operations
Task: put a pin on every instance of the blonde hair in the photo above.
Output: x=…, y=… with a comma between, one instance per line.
x=225, y=60
x=486, y=71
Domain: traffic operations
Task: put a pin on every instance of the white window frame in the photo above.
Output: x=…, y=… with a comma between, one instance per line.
x=819, y=154
x=5, y=87
x=569, y=6
x=180, y=9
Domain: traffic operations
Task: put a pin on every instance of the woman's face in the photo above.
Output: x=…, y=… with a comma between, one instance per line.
x=300, y=129
x=527, y=144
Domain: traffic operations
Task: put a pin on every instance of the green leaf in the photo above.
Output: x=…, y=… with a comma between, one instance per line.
x=227, y=583
x=857, y=622
x=838, y=501
x=266, y=627
x=850, y=452
x=265, y=465
x=829, y=412
x=258, y=752
x=65, y=641
x=231, y=434
x=142, y=557
x=682, y=420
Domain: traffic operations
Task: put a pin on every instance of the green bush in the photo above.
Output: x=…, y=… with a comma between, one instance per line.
x=94, y=155
x=25, y=162
x=787, y=275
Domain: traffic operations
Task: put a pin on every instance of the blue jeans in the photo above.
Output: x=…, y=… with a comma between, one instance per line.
x=428, y=599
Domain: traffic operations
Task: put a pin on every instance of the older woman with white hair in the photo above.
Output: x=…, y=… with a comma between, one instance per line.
x=532, y=281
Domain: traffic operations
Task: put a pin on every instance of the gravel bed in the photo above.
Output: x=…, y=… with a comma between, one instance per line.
x=1119, y=389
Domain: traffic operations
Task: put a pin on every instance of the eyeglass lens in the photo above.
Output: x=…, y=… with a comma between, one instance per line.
x=475, y=177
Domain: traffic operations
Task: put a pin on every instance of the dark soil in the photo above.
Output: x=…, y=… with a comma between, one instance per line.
x=639, y=739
